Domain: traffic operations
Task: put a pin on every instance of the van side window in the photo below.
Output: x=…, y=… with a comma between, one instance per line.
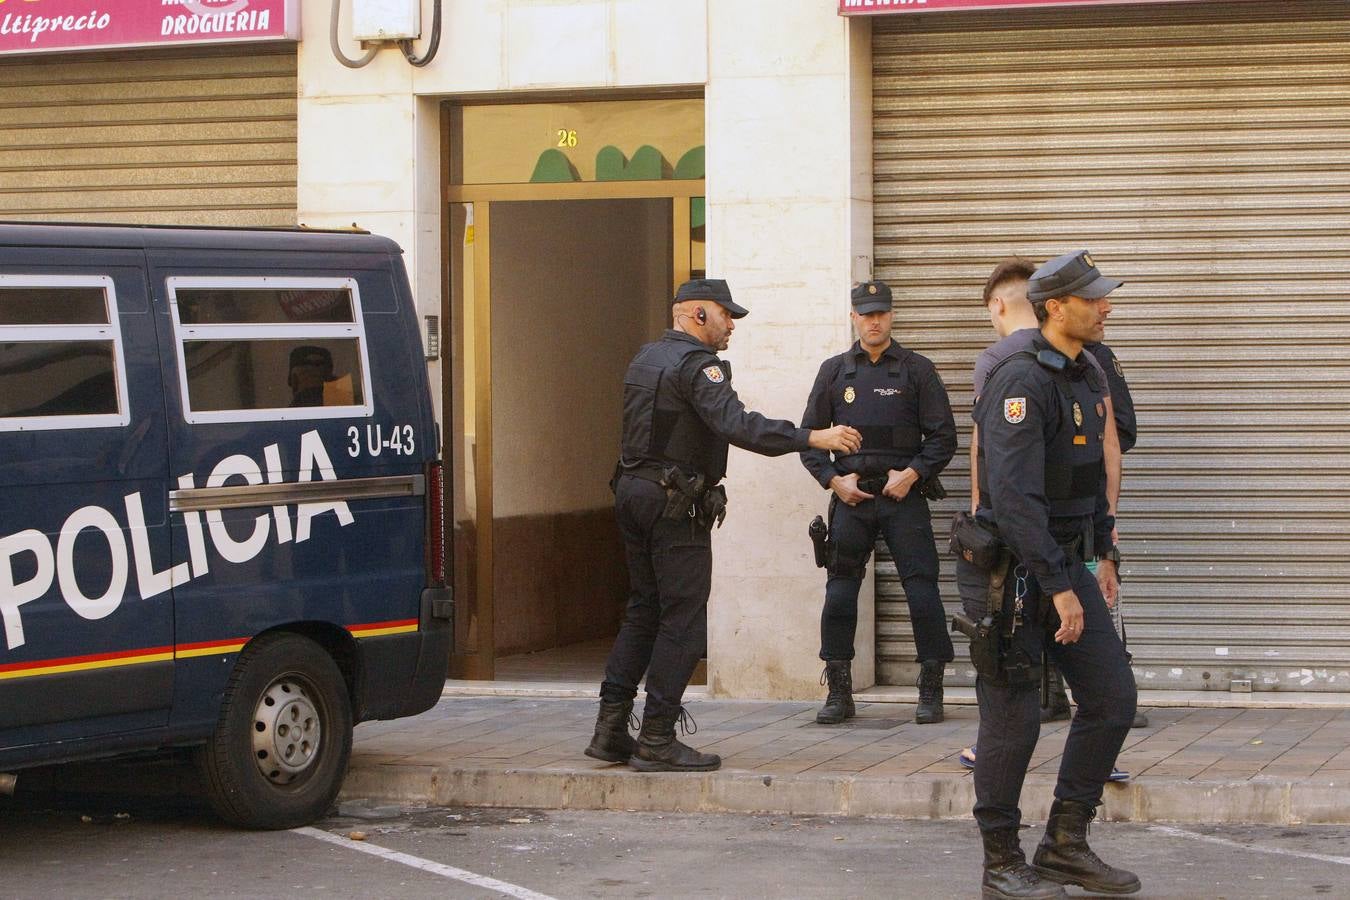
x=61, y=363
x=270, y=348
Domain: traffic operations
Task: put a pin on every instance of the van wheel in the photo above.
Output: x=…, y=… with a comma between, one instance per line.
x=280, y=747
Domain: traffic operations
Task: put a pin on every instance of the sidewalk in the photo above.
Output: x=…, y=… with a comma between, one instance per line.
x=1269, y=765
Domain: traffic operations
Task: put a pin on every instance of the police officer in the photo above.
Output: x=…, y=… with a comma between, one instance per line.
x=896, y=400
x=1042, y=423
x=311, y=366
x=679, y=414
x=1012, y=316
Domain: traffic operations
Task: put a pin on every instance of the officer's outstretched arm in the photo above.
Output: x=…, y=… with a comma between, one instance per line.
x=708, y=381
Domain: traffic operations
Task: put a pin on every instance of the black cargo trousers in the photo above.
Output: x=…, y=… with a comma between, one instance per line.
x=1096, y=669
x=664, y=631
x=906, y=526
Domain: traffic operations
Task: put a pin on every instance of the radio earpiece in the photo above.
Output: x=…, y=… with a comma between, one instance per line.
x=700, y=315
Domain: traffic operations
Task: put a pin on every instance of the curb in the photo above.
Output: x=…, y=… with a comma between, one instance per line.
x=908, y=797
x=954, y=696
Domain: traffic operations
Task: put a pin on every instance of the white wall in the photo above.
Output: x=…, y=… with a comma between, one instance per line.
x=783, y=228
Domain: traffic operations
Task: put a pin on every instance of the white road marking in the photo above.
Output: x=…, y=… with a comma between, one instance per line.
x=426, y=865
x=1224, y=842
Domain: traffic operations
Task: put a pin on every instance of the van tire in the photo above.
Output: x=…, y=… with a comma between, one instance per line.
x=281, y=745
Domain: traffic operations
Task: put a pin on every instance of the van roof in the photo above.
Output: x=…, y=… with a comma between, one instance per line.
x=74, y=234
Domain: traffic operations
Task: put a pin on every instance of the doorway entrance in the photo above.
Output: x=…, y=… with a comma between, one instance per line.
x=553, y=285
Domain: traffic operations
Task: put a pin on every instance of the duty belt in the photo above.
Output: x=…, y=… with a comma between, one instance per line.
x=872, y=484
x=652, y=472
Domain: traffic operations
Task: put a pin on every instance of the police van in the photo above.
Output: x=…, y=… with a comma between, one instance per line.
x=220, y=504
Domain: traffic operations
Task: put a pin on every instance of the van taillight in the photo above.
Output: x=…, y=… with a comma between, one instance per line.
x=435, y=526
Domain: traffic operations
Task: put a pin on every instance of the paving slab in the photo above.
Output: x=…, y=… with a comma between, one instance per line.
x=1195, y=763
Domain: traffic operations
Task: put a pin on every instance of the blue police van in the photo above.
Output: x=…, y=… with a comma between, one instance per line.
x=220, y=504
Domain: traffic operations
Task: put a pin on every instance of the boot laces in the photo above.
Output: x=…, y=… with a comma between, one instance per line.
x=1084, y=848
x=633, y=721
x=840, y=685
x=929, y=682
x=686, y=722
x=1024, y=873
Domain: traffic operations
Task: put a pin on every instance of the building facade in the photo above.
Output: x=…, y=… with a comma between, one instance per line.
x=557, y=167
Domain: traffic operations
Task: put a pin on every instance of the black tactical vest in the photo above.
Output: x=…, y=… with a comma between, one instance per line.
x=659, y=426
x=1075, y=462
x=882, y=402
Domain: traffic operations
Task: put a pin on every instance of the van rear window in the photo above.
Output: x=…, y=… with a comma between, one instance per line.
x=265, y=306
x=270, y=348
x=53, y=306
x=60, y=353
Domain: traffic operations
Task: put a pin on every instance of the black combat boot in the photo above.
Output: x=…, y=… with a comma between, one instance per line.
x=611, y=741
x=1064, y=855
x=839, y=702
x=659, y=751
x=1006, y=873
x=1059, y=700
x=930, y=692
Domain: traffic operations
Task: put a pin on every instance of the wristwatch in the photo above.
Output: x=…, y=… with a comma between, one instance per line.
x=1113, y=555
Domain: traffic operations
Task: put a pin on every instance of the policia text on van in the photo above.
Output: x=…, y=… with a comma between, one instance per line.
x=220, y=519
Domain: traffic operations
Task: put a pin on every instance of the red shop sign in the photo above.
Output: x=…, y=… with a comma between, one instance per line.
x=876, y=7
x=34, y=26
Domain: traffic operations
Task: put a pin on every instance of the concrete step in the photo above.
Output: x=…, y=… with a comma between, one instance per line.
x=911, y=797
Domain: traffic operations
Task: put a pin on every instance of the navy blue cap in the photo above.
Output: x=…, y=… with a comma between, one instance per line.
x=1071, y=275
x=310, y=355
x=871, y=297
x=714, y=289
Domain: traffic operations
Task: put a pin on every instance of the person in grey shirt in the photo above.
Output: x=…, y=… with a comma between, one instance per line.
x=1005, y=296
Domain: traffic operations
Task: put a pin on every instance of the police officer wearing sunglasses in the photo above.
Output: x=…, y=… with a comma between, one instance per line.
x=1042, y=423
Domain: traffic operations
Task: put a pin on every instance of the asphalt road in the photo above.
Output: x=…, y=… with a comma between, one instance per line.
x=85, y=846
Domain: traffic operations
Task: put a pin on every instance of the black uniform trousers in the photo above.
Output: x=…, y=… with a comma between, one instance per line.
x=1096, y=668
x=907, y=529
x=664, y=631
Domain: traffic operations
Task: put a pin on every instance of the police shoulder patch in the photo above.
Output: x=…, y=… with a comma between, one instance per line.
x=1015, y=409
x=1119, y=371
x=714, y=374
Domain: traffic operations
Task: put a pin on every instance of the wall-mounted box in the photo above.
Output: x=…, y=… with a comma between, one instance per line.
x=386, y=20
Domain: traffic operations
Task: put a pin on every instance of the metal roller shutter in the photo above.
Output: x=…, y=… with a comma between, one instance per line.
x=199, y=136
x=1202, y=152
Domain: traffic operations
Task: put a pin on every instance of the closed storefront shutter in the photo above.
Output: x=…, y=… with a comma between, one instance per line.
x=1201, y=151
x=192, y=136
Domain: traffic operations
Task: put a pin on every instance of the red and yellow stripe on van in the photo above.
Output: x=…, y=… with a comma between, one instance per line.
x=375, y=629
x=85, y=663
x=180, y=651
x=209, y=648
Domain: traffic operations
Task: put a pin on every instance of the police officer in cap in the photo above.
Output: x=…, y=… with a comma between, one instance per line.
x=679, y=415
x=1042, y=423
x=896, y=400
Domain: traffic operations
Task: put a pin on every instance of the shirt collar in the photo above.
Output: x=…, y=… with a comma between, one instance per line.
x=674, y=334
x=1076, y=368
x=892, y=350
